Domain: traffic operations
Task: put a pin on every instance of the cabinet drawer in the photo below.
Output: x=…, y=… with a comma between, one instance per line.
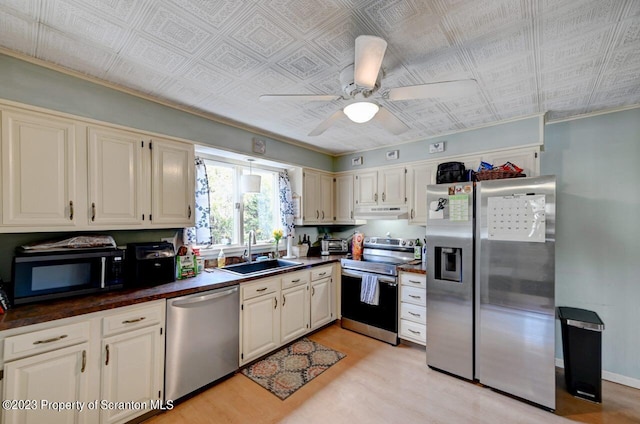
x=132, y=319
x=321, y=272
x=413, y=331
x=45, y=340
x=251, y=290
x=413, y=313
x=413, y=280
x=295, y=279
x=414, y=296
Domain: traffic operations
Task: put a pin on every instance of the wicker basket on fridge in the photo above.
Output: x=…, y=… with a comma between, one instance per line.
x=496, y=175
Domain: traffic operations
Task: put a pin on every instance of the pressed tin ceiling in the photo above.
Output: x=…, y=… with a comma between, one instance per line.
x=565, y=57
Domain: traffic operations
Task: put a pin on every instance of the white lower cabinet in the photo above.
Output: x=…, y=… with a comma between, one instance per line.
x=294, y=315
x=320, y=302
x=413, y=307
x=44, y=380
x=131, y=371
x=84, y=360
x=259, y=318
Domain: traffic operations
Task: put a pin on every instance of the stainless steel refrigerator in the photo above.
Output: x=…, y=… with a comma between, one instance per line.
x=490, y=284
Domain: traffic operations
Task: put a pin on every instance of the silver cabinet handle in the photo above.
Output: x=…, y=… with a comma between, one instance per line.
x=53, y=339
x=351, y=214
x=276, y=305
x=317, y=214
x=297, y=280
x=106, y=362
x=414, y=314
x=383, y=196
x=130, y=321
x=70, y=210
x=261, y=290
x=412, y=213
x=84, y=361
x=284, y=300
x=375, y=197
x=322, y=273
x=322, y=214
x=93, y=211
x=414, y=296
x=415, y=282
x=413, y=331
x=189, y=212
x=313, y=291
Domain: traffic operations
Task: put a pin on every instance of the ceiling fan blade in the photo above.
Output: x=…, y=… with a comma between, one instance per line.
x=369, y=54
x=436, y=89
x=390, y=122
x=298, y=97
x=327, y=123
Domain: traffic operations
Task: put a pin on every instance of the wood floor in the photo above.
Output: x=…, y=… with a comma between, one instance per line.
x=380, y=383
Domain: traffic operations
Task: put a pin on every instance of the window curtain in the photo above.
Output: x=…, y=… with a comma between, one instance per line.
x=286, y=203
x=201, y=233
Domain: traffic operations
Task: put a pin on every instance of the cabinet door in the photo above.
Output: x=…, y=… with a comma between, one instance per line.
x=326, y=198
x=260, y=326
x=38, y=170
x=172, y=183
x=116, y=165
x=294, y=316
x=320, y=303
x=420, y=176
x=58, y=376
x=132, y=371
x=311, y=203
x=344, y=201
x=393, y=186
x=366, y=188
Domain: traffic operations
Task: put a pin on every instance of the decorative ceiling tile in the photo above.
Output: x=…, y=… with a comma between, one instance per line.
x=339, y=41
x=133, y=75
x=272, y=81
x=445, y=66
x=303, y=15
x=58, y=48
x=177, y=32
x=125, y=10
x=259, y=34
x=491, y=49
x=216, y=13
x=555, y=55
x=17, y=34
x=154, y=55
x=630, y=32
x=391, y=14
x=474, y=19
x=514, y=67
x=573, y=21
x=78, y=22
x=569, y=90
x=230, y=59
x=206, y=77
x=303, y=63
x=576, y=70
x=28, y=8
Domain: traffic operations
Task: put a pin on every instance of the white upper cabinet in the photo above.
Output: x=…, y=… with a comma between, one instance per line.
x=317, y=198
x=419, y=177
x=172, y=183
x=38, y=170
x=344, y=200
x=117, y=162
x=386, y=187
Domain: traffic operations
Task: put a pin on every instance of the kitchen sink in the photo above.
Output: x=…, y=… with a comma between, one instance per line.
x=261, y=267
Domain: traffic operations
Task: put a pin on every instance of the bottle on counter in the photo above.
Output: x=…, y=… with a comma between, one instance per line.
x=221, y=259
x=424, y=256
x=417, y=250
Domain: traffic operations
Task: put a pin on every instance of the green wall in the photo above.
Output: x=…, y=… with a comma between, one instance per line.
x=596, y=163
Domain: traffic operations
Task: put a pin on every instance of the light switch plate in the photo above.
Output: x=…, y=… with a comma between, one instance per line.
x=436, y=147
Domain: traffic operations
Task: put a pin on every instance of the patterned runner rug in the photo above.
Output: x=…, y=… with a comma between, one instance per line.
x=292, y=367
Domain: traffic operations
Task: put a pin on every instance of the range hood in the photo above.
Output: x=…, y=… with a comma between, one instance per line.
x=381, y=212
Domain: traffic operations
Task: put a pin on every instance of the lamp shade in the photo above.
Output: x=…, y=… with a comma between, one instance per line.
x=250, y=183
x=361, y=112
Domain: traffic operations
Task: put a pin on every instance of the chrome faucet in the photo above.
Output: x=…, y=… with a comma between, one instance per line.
x=252, y=240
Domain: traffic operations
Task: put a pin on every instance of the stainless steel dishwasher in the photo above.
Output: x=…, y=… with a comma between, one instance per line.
x=202, y=340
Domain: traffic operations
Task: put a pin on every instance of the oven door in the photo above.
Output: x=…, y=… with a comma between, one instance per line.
x=384, y=315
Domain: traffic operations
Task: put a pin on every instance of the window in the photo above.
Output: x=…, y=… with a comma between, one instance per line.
x=234, y=214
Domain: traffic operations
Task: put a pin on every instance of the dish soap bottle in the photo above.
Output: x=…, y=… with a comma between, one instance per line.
x=417, y=250
x=221, y=259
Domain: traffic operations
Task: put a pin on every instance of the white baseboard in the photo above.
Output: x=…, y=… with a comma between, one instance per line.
x=610, y=376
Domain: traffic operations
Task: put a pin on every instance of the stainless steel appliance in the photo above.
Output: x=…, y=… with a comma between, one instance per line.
x=490, y=287
x=150, y=263
x=381, y=256
x=337, y=246
x=202, y=340
x=42, y=275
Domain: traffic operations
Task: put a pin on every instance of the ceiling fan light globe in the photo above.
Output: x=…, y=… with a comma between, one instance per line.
x=361, y=112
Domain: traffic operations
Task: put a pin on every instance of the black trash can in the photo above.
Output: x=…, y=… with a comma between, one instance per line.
x=582, y=348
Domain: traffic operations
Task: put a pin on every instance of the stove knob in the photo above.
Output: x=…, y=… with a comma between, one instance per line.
x=410, y=243
x=404, y=242
x=373, y=240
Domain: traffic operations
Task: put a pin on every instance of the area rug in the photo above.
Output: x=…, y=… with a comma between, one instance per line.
x=292, y=367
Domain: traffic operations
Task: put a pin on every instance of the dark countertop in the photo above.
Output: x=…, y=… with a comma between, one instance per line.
x=36, y=313
x=416, y=268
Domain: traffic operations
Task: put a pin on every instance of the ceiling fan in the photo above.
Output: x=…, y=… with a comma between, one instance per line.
x=361, y=80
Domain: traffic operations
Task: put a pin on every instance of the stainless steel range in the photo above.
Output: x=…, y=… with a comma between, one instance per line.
x=381, y=257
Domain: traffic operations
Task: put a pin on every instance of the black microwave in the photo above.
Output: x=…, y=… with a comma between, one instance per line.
x=56, y=274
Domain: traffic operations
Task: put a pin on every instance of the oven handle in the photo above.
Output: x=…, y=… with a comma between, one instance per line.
x=358, y=274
